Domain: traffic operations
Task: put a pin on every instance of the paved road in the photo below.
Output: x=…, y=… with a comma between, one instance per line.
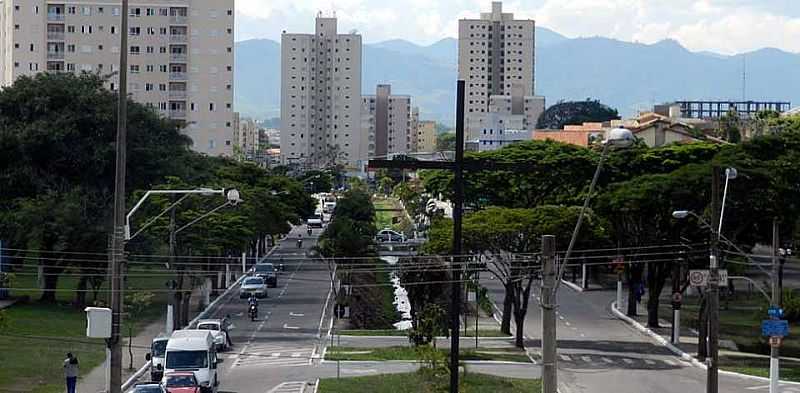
x=599, y=353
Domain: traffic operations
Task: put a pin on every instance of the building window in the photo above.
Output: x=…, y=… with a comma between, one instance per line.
x=134, y=68
x=211, y=107
x=135, y=30
x=135, y=50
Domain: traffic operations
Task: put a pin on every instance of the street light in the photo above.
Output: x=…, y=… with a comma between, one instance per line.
x=712, y=382
x=618, y=138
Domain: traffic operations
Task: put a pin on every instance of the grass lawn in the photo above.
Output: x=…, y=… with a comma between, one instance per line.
x=402, y=333
x=740, y=322
x=419, y=382
x=383, y=218
x=410, y=353
x=34, y=363
x=790, y=371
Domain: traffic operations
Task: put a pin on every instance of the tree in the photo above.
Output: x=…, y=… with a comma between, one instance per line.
x=575, y=113
x=317, y=181
x=506, y=238
x=136, y=304
x=431, y=323
x=446, y=141
x=730, y=126
x=428, y=274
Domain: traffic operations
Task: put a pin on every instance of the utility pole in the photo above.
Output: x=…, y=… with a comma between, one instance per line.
x=774, y=353
x=118, y=244
x=458, y=211
x=549, y=361
x=171, y=307
x=712, y=381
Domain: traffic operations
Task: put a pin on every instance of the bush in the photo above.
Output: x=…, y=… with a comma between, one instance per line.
x=791, y=305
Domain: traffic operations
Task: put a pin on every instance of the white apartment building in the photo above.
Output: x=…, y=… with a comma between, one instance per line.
x=510, y=118
x=494, y=52
x=180, y=54
x=321, y=98
x=387, y=122
x=246, y=136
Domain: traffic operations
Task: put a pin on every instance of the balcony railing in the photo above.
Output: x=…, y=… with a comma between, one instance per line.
x=178, y=57
x=178, y=19
x=177, y=76
x=178, y=38
x=55, y=55
x=55, y=35
x=55, y=17
x=177, y=94
x=177, y=114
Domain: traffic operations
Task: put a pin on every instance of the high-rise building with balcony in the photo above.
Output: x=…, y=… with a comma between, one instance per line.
x=495, y=52
x=180, y=55
x=321, y=98
x=387, y=123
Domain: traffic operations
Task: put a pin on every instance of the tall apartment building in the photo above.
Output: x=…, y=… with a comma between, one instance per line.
x=246, y=136
x=387, y=123
x=321, y=97
x=509, y=119
x=180, y=54
x=494, y=52
x=426, y=137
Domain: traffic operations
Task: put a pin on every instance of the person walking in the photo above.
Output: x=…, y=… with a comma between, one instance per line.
x=71, y=372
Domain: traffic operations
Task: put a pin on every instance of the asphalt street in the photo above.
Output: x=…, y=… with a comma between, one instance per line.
x=598, y=353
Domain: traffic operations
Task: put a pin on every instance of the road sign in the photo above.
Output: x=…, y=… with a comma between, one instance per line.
x=699, y=278
x=677, y=297
x=775, y=312
x=775, y=341
x=619, y=265
x=775, y=328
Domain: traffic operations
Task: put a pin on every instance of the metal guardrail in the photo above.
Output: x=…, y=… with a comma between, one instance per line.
x=55, y=17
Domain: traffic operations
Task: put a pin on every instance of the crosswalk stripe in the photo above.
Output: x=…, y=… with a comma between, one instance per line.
x=607, y=360
x=586, y=359
x=628, y=361
x=565, y=358
x=650, y=362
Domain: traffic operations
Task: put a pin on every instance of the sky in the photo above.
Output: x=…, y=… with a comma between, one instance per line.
x=721, y=26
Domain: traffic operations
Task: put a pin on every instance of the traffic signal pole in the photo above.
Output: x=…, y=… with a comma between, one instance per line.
x=774, y=353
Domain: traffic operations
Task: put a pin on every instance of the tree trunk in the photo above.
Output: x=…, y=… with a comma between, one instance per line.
x=50, y=284
x=505, y=323
x=80, y=294
x=656, y=279
x=130, y=348
x=519, y=319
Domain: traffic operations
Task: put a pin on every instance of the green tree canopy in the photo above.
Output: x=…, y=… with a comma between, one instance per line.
x=575, y=113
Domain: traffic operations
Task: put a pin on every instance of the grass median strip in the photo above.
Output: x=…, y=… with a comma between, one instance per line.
x=422, y=382
x=411, y=354
x=790, y=370
x=403, y=333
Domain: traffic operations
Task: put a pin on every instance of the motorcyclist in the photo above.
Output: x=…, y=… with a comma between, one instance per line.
x=252, y=305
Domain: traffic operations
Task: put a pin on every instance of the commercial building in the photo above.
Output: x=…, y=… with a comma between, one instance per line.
x=180, y=55
x=495, y=56
x=426, y=136
x=387, y=123
x=321, y=98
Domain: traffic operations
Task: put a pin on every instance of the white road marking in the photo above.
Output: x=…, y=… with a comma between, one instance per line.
x=627, y=361
x=565, y=358
x=286, y=326
x=292, y=314
x=607, y=360
x=567, y=323
x=669, y=362
x=289, y=387
x=650, y=362
x=586, y=359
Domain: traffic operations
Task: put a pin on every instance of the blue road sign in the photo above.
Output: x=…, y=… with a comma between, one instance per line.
x=775, y=328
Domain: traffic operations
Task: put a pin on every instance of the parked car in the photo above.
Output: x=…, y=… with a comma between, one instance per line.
x=217, y=328
x=268, y=272
x=253, y=286
x=388, y=235
x=148, y=388
x=181, y=382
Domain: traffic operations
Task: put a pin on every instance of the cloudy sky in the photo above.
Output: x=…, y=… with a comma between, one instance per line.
x=723, y=26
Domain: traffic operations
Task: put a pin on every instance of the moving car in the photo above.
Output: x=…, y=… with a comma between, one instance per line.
x=328, y=207
x=148, y=388
x=314, y=221
x=158, y=349
x=193, y=351
x=217, y=328
x=181, y=382
x=268, y=272
x=388, y=235
x=253, y=286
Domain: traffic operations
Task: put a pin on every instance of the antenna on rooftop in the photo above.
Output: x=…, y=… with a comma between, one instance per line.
x=744, y=77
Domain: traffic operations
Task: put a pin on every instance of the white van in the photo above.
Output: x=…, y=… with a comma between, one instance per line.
x=193, y=350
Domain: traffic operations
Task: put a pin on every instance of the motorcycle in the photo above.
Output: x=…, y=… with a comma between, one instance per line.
x=253, y=311
x=299, y=243
x=309, y=231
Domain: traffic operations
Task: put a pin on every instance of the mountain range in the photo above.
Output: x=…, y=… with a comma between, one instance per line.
x=627, y=76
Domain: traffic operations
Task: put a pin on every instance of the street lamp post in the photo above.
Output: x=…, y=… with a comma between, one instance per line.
x=718, y=213
x=618, y=138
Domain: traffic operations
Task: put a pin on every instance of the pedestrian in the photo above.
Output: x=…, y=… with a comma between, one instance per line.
x=71, y=372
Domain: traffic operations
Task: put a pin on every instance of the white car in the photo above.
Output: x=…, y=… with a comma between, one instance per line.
x=217, y=328
x=388, y=235
x=253, y=286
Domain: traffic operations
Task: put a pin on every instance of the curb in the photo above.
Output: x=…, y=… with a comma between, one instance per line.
x=138, y=374
x=574, y=287
x=316, y=386
x=680, y=353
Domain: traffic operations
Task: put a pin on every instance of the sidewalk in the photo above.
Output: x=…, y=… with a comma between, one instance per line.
x=95, y=380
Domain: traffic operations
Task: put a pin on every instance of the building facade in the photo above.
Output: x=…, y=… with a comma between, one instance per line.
x=494, y=53
x=387, y=123
x=426, y=137
x=321, y=97
x=510, y=118
x=180, y=59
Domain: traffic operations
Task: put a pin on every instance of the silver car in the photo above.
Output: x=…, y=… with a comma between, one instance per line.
x=253, y=286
